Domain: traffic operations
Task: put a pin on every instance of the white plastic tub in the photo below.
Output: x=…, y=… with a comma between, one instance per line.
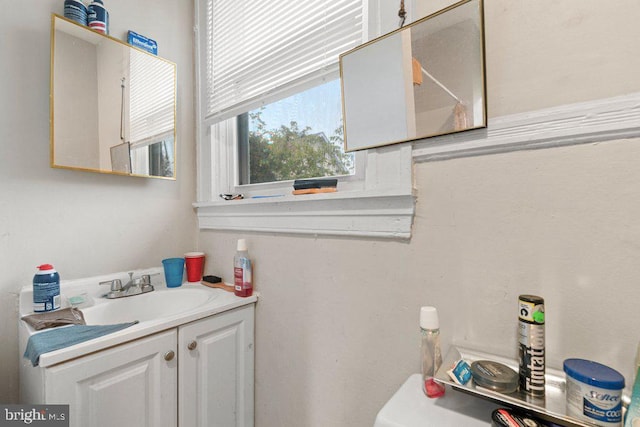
x=594, y=392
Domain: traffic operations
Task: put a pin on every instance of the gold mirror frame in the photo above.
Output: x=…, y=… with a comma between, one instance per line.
x=423, y=80
x=79, y=144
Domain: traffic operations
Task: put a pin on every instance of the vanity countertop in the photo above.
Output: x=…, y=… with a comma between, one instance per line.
x=213, y=301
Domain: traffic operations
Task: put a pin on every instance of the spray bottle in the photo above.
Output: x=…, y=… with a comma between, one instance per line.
x=46, y=289
x=242, y=272
x=531, y=344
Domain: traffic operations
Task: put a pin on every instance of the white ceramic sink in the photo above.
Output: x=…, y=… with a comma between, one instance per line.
x=154, y=305
x=156, y=311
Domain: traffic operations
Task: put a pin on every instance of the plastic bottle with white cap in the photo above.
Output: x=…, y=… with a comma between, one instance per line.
x=98, y=17
x=242, y=271
x=431, y=357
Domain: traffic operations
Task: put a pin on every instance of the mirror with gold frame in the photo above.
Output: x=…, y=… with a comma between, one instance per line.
x=422, y=80
x=113, y=106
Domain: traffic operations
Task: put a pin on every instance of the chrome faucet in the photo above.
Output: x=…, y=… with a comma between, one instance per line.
x=136, y=286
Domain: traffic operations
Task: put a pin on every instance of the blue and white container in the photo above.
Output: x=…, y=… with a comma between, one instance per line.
x=142, y=42
x=594, y=392
x=98, y=17
x=76, y=11
x=46, y=289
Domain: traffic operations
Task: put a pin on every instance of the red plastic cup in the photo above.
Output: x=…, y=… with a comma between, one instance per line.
x=195, y=265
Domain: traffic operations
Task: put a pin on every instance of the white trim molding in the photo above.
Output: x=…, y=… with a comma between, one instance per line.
x=382, y=208
x=381, y=215
x=585, y=122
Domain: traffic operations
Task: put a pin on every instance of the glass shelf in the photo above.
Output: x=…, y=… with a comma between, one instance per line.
x=551, y=407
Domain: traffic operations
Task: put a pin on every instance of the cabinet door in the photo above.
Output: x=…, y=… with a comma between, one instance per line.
x=216, y=370
x=129, y=385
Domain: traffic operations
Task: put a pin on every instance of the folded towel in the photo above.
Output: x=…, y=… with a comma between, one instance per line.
x=51, y=319
x=56, y=339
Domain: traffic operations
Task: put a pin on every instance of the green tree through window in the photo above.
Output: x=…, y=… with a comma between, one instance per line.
x=289, y=152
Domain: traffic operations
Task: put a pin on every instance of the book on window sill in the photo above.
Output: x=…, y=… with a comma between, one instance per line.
x=303, y=184
x=314, y=190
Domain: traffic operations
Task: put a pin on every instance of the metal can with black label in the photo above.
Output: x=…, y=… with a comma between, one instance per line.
x=531, y=344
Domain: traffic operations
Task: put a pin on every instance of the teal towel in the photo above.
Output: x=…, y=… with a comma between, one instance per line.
x=58, y=338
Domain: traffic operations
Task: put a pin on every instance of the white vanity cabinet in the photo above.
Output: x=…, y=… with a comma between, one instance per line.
x=196, y=374
x=129, y=385
x=216, y=370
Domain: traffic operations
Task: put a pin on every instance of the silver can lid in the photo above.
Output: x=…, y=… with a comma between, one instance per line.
x=494, y=376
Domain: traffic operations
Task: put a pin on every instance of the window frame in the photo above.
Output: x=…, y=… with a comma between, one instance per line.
x=376, y=202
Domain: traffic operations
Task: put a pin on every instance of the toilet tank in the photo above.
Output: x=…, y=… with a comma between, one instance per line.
x=410, y=407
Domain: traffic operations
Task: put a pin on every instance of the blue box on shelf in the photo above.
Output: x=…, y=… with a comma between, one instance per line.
x=142, y=42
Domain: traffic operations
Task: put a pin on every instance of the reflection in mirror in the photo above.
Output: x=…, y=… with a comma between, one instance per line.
x=423, y=80
x=112, y=105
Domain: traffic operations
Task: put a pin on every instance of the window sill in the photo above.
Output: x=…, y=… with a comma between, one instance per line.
x=350, y=213
x=389, y=214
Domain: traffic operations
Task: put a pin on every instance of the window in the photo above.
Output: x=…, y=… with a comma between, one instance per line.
x=261, y=51
x=151, y=115
x=256, y=61
x=297, y=137
x=275, y=73
x=155, y=159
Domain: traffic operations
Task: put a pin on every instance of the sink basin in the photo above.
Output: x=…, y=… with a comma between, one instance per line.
x=149, y=306
x=156, y=311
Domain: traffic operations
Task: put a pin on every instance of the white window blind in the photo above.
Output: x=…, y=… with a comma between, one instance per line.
x=151, y=98
x=256, y=49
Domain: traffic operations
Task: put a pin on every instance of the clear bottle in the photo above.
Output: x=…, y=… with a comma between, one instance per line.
x=431, y=357
x=242, y=271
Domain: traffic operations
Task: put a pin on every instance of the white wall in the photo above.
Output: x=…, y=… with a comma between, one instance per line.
x=83, y=223
x=337, y=322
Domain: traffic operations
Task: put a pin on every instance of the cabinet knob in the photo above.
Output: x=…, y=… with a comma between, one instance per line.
x=169, y=355
x=192, y=345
